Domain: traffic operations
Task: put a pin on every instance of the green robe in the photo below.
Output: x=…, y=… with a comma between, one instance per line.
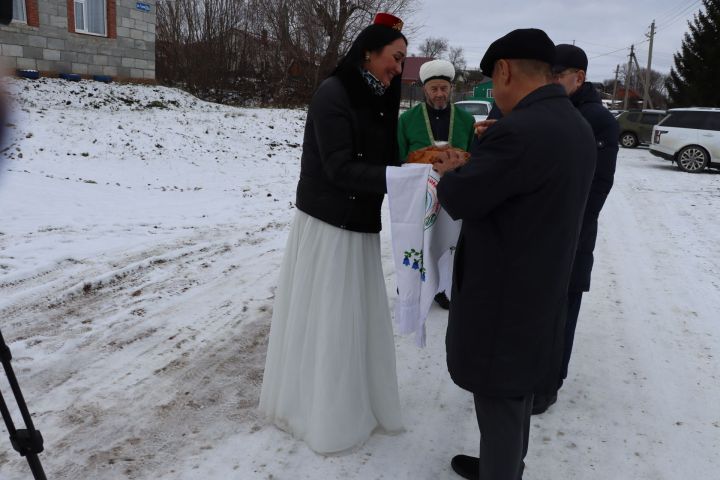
x=414, y=130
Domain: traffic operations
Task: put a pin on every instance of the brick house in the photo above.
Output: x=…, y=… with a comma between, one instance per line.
x=86, y=37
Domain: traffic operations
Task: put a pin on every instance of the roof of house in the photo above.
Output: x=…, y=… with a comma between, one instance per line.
x=411, y=72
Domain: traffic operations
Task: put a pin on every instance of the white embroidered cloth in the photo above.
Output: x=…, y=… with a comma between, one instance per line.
x=423, y=238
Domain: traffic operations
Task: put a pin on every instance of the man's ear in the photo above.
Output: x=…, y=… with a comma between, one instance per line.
x=581, y=77
x=505, y=71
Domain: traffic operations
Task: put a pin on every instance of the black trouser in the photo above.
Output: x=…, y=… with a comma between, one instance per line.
x=573, y=309
x=504, y=431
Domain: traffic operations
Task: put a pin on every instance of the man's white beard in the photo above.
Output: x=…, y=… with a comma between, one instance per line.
x=436, y=106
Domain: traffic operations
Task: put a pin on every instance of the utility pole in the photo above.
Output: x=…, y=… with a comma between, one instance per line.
x=638, y=78
x=617, y=71
x=646, y=95
x=627, y=76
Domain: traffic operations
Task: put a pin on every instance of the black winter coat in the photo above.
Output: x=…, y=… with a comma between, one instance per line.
x=521, y=198
x=606, y=131
x=350, y=137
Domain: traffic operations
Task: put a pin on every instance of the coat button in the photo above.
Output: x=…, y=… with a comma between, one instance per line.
x=352, y=197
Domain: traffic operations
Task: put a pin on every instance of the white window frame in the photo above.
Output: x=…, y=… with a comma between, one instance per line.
x=83, y=29
x=24, y=11
x=489, y=93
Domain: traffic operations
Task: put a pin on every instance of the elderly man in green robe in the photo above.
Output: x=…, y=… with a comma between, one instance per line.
x=436, y=121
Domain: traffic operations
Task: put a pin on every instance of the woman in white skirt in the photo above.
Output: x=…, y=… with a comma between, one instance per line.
x=330, y=374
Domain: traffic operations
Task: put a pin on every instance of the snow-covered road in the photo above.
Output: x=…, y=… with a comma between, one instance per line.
x=140, y=235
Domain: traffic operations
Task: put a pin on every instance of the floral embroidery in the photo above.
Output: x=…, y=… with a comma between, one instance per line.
x=414, y=259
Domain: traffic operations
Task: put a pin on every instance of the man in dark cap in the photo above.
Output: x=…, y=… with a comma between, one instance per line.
x=569, y=70
x=521, y=198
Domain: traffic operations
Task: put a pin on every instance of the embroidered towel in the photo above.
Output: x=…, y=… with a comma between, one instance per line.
x=423, y=237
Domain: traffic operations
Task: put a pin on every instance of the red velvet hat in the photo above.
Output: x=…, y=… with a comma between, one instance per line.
x=388, y=20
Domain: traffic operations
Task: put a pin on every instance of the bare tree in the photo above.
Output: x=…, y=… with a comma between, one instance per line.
x=434, y=47
x=267, y=51
x=456, y=56
x=315, y=34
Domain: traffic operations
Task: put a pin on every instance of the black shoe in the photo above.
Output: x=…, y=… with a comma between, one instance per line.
x=466, y=466
x=542, y=402
x=442, y=300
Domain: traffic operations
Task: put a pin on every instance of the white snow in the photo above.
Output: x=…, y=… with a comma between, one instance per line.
x=139, y=249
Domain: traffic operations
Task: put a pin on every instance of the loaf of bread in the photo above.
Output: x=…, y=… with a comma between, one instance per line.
x=428, y=154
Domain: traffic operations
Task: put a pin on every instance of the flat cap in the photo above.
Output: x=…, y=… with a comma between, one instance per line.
x=569, y=56
x=523, y=43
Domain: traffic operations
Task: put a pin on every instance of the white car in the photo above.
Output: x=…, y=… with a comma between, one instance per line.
x=477, y=108
x=690, y=137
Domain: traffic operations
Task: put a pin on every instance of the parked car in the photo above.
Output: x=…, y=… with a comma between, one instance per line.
x=690, y=137
x=636, y=126
x=477, y=108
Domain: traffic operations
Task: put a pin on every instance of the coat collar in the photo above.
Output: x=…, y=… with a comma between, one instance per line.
x=356, y=86
x=585, y=94
x=550, y=90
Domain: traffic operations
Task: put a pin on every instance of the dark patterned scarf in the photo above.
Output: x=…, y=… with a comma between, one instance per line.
x=375, y=85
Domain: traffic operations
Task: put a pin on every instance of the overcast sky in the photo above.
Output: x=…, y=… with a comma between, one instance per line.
x=598, y=27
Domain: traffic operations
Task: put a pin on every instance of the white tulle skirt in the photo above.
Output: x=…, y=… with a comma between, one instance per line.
x=330, y=374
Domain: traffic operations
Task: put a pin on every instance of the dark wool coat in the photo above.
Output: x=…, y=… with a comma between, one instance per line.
x=521, y=198
x=606, y=131
x=350, y=137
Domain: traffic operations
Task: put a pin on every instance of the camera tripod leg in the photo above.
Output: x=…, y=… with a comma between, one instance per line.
x=27, y=442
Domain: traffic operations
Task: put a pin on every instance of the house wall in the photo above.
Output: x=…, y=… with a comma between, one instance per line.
x=128, y=51
x=481, y=92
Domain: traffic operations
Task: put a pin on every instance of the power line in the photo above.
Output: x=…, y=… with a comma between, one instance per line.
x=672, y=11
x=593, y=44
x=680, y=15
x=618, y=50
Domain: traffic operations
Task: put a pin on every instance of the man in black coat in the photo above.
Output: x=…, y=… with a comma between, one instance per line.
x=521, y=198
x=569, y=71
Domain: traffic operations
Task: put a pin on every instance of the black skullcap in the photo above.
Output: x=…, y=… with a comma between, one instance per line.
x=569, y=56
x=524, y=43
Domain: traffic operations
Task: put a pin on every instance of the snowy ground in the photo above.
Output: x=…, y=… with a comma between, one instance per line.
x=140, y=236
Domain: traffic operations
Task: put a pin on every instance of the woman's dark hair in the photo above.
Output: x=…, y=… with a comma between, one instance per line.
x=372, y=39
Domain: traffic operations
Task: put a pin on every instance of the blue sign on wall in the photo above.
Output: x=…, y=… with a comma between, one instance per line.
x=142, y=6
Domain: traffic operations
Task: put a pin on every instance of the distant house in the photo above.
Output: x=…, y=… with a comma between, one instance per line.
x=634, y=98
x=411, y=72
x=411, y=84
x=87, y=37
x=484, y=91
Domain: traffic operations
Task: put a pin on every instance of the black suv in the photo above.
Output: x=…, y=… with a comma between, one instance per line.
x=636, y=126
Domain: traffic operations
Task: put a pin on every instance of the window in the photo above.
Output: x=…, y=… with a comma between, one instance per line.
x=633, y=117
x=474, y=108
x=650, y=118
x=712, y=121
x=489, y=93
x=684, y=119
x=90, y=16
x=19, y=12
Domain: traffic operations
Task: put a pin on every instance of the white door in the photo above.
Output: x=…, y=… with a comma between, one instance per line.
x=710, y=136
